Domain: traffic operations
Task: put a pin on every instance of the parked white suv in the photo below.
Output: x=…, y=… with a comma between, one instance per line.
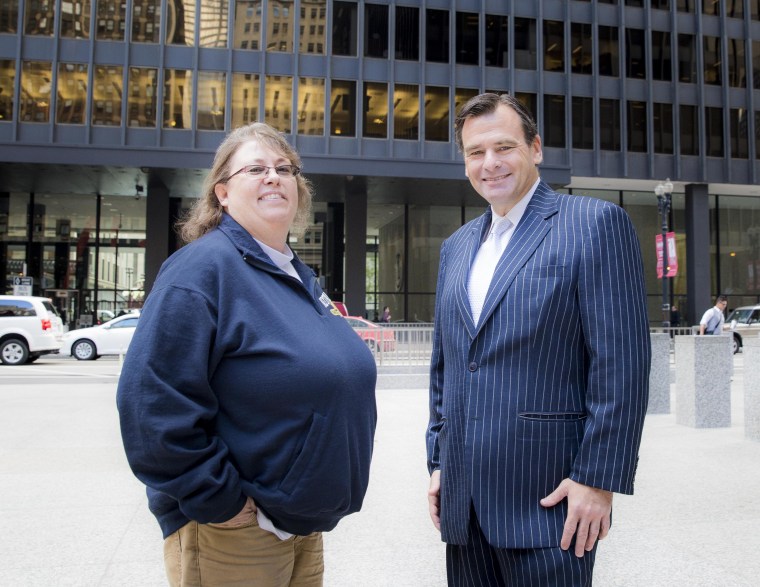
x=29, y=327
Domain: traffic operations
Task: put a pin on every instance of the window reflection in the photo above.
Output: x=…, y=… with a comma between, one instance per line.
x=106, y=95
x=580, y=50
x=662, y=68
x=554, y=121
x=141, y=99
x=739, y=133
x=637, y=126
x=146, y=21
x=687, y=63
x=280, y=27
x=437, y=35
x=180, y=22
x=311, y=106
x=111, y=20
x=343, y=108
x=344, y=28
x=7, y=80
x=312, y=27
x=71, y=94
x=245, y=99
x=525, y=43
x=35, y=91
x=247, y=31
x=278, y=98
x=635, y=63
x=375, y=110
x=554, y=45
x=39, y=17
x=609, y=51
x=529, y=102
x=9, y=16
x=178, y=98
x=461, y=96
x=212, y=97
x=737, y=76
x=467, y=24
x=689, y=135
x=714, y=134
x=436, y=113
x=375, y=31
x=609, y=131
x=213, y=23
x=406, y=112
x=75, y=19
x=711, y=49
x=583, y=123
x=408, y=33
x=662, y=124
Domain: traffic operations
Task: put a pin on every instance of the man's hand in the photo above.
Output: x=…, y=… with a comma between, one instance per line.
x=434, y=498
x=588, y=514
x=242, y=518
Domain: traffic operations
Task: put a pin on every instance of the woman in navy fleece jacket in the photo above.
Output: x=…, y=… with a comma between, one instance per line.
x=247, y=402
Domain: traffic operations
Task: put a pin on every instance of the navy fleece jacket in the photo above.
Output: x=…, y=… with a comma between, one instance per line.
x=240, y=381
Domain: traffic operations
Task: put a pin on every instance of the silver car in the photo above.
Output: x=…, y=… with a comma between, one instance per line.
x=741, y=323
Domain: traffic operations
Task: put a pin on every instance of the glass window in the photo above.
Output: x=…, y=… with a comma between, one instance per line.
x=711, y=48
x=689, y=130
x=9, y=17
x=711, y=7
x=407, y=33
x=7, y=81
x=637, y=126
x=311, y=106
x=581, y=53
x=247, y=29
x=141, y=98
x=106, y=95
x=406, y=112
x=344, y=30
x=312, y=38
x=739, y=133
x=714, y=131
x=437, y=35
x=461, y=96
x=35, y=91
x=756, y=65
x=662, y=123
x=739, y=249
x=635, y=63
x=662, y=68
x=525, y=43
x=178, y=98
x=280, y=28
x=661, y=4
x=583, y=123
x=343, y=108
x=111, y=20
x=529, y=101
x=636, y=3
x=735, y=8
x=687, y=62
x=754, y=9
x=757, y=134
x=278, y=100
x=213, y=23
x=467, y=37
x=685, y=5
x=609, y=51
x=375, y=110
x=436, y=113
x=497, y=40
x=609, y=131
x=71, y=93
x=245, y=99
x=180, y=23
x=554, y=121
x=554, y=45
x=212, y=97
x=737, y=72
x=39, y=18
x=75, y=19
x=146, y=21
x=376, y=31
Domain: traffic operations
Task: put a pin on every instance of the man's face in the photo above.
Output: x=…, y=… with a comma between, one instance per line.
x=500, y=165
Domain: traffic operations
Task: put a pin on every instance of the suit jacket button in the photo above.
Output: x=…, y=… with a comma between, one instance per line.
x=473, y=366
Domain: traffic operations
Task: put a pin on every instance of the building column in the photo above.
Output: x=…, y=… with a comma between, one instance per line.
x=698, y=292
x=356, y=246
x=158, y=231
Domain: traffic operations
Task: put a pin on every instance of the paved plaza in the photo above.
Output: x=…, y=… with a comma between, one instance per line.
x=71, y=513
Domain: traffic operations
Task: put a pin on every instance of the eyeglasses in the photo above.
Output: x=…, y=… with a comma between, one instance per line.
x=259, y=171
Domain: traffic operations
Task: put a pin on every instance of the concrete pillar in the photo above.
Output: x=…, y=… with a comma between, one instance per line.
x=697, y=217
x=703, y=381
x=659, y=376
x=751, y=351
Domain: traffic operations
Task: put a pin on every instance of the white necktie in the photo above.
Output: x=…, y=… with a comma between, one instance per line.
x=482, y=270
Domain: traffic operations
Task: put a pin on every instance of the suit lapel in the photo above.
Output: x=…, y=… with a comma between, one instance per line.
x=469, y=250
x=530, y=231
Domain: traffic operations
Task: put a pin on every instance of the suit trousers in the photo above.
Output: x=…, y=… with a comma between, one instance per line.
x=478, y=564
x=200, y=555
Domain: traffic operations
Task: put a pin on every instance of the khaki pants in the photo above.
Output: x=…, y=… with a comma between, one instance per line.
x=204, y=555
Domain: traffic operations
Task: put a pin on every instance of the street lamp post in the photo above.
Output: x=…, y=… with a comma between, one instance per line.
x=663, y=192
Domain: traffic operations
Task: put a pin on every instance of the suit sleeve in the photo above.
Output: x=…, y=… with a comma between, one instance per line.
x=612, y=301
x=436, y=376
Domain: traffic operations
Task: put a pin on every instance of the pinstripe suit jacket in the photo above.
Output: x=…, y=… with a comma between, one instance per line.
x=552, y=383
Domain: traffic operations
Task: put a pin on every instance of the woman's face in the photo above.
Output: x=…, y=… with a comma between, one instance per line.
x=262, y=205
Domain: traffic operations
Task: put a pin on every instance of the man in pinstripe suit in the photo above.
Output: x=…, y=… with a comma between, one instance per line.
x=540, y=366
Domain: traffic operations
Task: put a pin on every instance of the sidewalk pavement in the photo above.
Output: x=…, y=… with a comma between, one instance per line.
x=71, y=513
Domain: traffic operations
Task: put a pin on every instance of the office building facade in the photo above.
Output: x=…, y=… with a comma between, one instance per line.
x=111, y=110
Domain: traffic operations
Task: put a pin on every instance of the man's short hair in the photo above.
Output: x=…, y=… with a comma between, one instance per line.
x=486, y=104
x=721, y=298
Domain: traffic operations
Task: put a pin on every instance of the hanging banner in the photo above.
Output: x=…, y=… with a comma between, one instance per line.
x=672, y=257
x=658, y=246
